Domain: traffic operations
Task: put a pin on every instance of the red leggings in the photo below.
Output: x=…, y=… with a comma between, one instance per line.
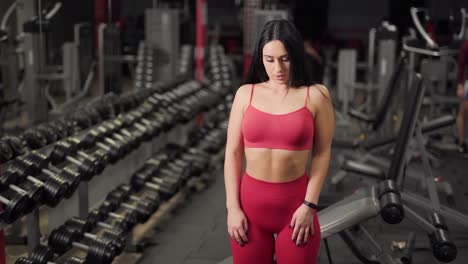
x=269, y=208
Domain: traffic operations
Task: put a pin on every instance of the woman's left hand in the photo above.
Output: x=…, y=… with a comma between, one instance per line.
x=303, y=224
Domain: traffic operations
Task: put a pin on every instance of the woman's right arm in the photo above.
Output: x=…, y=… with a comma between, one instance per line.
x=234, y=153
x=234, y=156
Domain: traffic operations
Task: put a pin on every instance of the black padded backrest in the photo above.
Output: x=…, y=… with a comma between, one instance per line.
x=410, y=115
x=389, y=92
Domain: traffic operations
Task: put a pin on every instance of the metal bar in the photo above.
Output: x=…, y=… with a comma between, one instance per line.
x=447, y=212
x=418, y=220
x=83, y=200
x=101, y=90
x=33, y=230
x=431, y=188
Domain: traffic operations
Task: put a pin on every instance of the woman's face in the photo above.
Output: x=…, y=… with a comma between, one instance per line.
x=276, y=62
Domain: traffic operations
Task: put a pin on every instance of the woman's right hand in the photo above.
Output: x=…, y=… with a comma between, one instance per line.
x=237, y=226
x=460, y=91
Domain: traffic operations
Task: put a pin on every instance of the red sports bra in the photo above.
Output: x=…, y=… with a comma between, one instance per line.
x=290, y=131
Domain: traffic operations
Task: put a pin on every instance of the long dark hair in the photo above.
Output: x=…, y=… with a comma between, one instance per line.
x=287, y=33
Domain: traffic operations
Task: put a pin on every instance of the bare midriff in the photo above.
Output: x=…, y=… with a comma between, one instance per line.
x=275, y=165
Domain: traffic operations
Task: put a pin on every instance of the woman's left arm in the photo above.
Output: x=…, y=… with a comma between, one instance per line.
x=321, y=151
x=302, y=220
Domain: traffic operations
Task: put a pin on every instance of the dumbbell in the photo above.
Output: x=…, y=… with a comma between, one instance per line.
x=104, y=108
x=16, y=145
x=111, y=142
x=209, y=147
x=6, y=153
x=152, y=197
x=163, y=121
x=196, y=152
x=114, y=237
x=62, y=239
x=198, y=163
x=157, y=161
x=32, y=162
x=165, y=99
x=148, y=126
x=186, y=113
x=48, y=131
x=16, y=202
x=14, y=176
x=24, y=260
x=139, y=133
x=107, y=210
x=157, y=102
x=33, y=190
x=34, y=139
x=66, y=149
x=166, y=116
x=72, y=260
x=124, y=142
x=41, y=255
x=93, y=135
x=100, y=156
x=70, y=177
x=124, y=222
x=144, y=207
x=175, y=171
x=129, y=140
x=93, y=114
x=110, y=147
x=141, y=179
x=145, y=108
x=87, y=166
x=60, y=128
x=81, y=119
x=53, y=188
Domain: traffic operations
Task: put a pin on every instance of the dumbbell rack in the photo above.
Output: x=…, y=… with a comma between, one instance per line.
x=90, y=194
x=141, y=231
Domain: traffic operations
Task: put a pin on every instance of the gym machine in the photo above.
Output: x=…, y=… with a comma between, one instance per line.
x=27, y=50
x=381, y=45
x=77, y=69
x=438, y=66
x=438, y=63
x=387, y=199
x=8, y=66
x=162, y=27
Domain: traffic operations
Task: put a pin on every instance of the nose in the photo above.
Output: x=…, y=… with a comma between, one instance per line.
x=278, y=67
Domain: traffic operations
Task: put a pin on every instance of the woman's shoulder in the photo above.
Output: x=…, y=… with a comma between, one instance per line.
x=319, y=90
x=319, y=95
x=243, y=92
x=247, y=88
x=244, y=89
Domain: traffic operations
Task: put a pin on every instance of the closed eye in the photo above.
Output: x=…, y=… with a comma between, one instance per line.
x=284, y=58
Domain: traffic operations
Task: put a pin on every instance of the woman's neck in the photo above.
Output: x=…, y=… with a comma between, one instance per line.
x=277, y=88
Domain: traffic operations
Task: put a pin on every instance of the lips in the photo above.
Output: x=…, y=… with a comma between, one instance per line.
x=279, y=77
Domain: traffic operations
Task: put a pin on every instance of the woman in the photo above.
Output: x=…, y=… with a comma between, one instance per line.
x=462, y=93
x=276, y=120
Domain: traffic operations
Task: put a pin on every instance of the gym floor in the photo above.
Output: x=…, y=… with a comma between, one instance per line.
x=195, y=233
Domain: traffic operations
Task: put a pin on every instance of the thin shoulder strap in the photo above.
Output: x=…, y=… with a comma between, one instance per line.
x=307, y=96
x=251, y=93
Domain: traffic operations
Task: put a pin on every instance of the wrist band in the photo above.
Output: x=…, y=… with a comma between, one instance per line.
x=311, y=205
